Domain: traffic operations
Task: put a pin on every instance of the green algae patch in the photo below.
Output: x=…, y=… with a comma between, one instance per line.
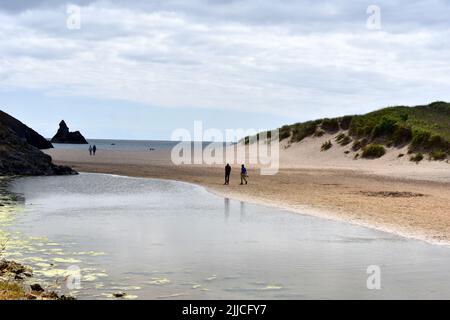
x=158, y=281
x=90, y=253
x=66, y=260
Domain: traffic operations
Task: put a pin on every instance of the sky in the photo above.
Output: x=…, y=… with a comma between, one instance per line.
x=141, y=69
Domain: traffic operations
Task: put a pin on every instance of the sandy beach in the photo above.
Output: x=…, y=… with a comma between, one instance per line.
x=388, y=194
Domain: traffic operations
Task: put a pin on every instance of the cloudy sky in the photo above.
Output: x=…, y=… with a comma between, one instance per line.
x=140, y=69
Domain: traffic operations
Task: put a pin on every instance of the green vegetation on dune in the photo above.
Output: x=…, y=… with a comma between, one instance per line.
x=416, y=158
x=343, y=139
x=302, y=130
x=425, y=129
x=373, y=151
x=326, y=145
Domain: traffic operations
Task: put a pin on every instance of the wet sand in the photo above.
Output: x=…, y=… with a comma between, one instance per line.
x=412, y=201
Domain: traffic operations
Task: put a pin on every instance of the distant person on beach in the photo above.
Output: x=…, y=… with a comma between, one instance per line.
x=244, y=175
x=90, y=150
x=94, y=149
x=227, y=174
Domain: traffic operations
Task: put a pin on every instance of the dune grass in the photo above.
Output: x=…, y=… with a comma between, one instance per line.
x=373, y=151
x=438, y=155
x=343, y=139
x=425, y=129
x=326, y=145
x=416, y=158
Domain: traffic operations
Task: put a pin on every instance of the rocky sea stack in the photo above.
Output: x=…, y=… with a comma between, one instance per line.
x=19, y=151
x=65, y=136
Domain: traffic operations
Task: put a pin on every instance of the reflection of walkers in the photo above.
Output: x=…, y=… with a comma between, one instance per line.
x=242, y=207
x=90, y=150
x=94, y=149
x=227, y=173
x=227, y=208
x=244, y=175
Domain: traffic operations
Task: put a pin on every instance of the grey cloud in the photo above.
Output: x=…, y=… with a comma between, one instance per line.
x=24, y=5
x=159, y=59
x=304, y=14
x=254, y=54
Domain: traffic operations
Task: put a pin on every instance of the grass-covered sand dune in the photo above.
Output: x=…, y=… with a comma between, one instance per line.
x=424, y=129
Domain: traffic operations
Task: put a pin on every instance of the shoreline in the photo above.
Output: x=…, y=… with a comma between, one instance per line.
x=306, y=210
x=333, y=216
x=416, y=208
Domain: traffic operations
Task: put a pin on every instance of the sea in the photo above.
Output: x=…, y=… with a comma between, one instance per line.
x=126, y=145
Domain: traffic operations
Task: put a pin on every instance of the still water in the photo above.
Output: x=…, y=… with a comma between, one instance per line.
x=156, y=239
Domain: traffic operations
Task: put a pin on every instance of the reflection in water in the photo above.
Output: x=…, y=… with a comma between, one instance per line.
x=242, y=211
x=9, y=206
x=158, y=239
x=226, y=208
x=7, y=198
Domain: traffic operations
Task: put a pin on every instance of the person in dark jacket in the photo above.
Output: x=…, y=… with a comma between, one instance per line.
x=227, y=174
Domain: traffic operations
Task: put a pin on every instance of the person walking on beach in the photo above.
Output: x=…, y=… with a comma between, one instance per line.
x=94, y=149
x=227, y=174
x=90, y=150
x=244, y=175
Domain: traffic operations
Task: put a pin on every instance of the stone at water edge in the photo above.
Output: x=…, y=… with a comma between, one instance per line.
x=119, y=294
x=37, y=287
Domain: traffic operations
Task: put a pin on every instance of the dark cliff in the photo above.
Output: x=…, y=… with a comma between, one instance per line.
x=24, y=132
x=19, y=157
